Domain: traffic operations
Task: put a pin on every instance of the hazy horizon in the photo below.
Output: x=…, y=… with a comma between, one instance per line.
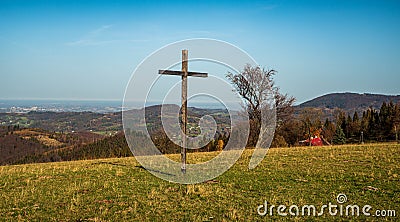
x=159, y=102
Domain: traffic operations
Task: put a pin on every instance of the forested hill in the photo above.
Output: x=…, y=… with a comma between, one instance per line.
x=350, y=102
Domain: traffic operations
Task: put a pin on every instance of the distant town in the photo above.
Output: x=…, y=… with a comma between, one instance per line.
x=26, y=106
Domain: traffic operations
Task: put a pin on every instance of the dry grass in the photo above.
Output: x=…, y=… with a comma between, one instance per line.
x=46, y=140
x=40, y=136
x=27, y=132
x=117, y=189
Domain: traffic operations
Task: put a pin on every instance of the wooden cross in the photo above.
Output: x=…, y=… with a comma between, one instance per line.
x=184, y=73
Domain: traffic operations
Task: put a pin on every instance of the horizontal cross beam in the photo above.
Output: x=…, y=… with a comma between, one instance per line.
x=180, y=73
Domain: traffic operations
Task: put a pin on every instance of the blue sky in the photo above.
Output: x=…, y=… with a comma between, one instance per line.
x=89, y=49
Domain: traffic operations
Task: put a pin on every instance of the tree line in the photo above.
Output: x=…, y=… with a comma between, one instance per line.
x=370, y=125
x=256, y=86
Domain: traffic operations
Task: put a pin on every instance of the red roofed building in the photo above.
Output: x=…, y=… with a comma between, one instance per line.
x=317, y=141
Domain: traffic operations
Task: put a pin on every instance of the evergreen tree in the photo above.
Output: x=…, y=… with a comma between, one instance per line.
x=396, y=121
x=349, y=126
x=339, y=137
x=385, y=121
x=356, y=125
x=340, y=119
x=355, y=117
x=364, y=123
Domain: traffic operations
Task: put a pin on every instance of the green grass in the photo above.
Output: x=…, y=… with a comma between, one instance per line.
x=117, y=189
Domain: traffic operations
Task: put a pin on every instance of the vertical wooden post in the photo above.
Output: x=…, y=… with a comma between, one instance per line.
x=184, y=107
x=184, y=73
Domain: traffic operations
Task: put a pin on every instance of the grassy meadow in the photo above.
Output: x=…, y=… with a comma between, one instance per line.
x=118, y=189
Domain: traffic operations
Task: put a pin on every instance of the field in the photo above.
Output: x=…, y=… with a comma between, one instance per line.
x=118, y=189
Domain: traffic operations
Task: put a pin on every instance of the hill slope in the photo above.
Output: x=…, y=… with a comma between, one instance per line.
x=29, y=145
x=350, y=102
x=120, y=190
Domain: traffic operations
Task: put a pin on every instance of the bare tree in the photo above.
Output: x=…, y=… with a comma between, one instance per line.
x=256, y=86
x=311, y=119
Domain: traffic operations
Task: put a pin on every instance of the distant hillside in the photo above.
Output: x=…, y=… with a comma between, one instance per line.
x=107, y=124
x=29, y=145
x=108, y=147
x=65, y=121
x=350, y=102
x=51, y=136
